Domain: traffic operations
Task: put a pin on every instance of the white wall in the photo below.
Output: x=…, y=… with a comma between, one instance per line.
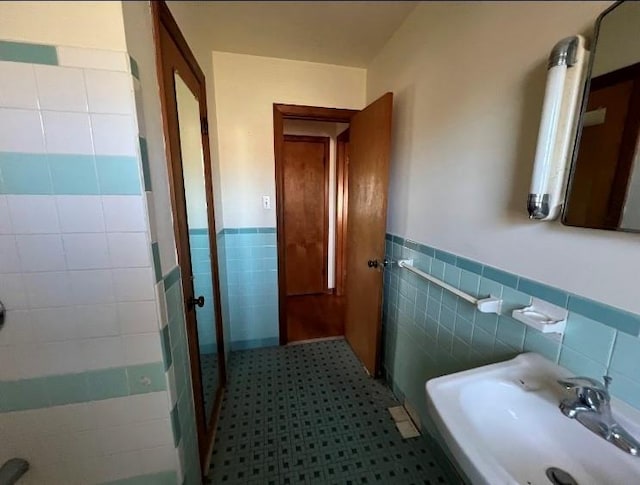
x=246, y=88
x=192, y=162
x=79, y=24
x=468, y=82
x=331, y=130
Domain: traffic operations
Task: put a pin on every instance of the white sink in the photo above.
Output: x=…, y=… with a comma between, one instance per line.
x=503, y=426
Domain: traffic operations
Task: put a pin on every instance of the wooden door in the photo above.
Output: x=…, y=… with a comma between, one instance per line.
x=368, y=177
x=306, y=213
x=178, y=70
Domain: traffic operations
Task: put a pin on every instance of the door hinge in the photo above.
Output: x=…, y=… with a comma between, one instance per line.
x=204, y=124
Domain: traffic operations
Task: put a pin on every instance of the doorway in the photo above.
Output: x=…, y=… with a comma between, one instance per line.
x=183, y=99
x=307, y=219
x=352, y=306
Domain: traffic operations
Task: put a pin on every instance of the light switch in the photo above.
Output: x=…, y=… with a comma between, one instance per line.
x=266, y=202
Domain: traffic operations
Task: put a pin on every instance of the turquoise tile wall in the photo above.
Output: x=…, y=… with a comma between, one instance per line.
x=224, y=292
x=251, y=269
x=203, y=285
x=429, y=332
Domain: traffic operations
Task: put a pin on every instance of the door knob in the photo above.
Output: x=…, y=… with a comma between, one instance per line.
x=193, y=302
x=374, y=263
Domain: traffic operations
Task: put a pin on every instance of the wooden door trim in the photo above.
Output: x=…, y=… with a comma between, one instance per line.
x=342, y=141
x=292, y=112
x=195, y=79
x=325, y=140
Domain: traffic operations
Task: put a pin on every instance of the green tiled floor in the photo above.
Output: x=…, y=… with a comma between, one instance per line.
x=309, y=414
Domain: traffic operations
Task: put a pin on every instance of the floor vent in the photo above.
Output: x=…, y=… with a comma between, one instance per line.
x=405, y=426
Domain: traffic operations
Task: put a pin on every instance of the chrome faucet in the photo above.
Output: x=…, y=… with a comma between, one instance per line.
x=591, y=407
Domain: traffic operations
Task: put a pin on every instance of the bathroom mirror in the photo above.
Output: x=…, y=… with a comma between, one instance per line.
x=199, y=244
x=604, y=184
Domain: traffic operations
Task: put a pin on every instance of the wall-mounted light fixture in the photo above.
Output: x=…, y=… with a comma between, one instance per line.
x=556, y=138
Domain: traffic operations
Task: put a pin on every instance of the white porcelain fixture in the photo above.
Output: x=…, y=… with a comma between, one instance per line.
x=503, y=425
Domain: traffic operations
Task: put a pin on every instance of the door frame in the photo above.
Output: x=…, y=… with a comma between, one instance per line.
x=342, y=194
x=324, y=140
x=283, y=112
x=195, y=80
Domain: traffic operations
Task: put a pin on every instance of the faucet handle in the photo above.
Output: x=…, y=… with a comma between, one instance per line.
x=578, y=383
x=590, y=392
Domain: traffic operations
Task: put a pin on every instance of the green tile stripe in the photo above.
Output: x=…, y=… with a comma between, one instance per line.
x=255, y=343
x=25, y=52
x=161, y=478
x=68, y=174
x=42, y=392
x=175, y=425
x=144, y=156
x=135, y=70
x=166, y=347
x=171, y=278
x=613, y=317
x=157, y=266
x=198, y=231
x=249, y=230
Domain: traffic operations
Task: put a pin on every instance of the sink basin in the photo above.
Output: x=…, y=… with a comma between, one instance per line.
x=503, y=426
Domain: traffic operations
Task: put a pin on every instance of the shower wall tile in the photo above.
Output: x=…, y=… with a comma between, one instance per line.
x=84, y=395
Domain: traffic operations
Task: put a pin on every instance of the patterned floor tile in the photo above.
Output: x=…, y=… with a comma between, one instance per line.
x=310, y=414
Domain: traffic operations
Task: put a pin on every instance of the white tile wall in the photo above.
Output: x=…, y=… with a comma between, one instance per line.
x=54, y=324
x=5, y=220
x=124, y=213
x=97, y=320
x=134, y=284
x=129, y=249
x=142, y=348
x=21, y=131
x=42, y=252
x=48, y=289
x=18, y=329
x=137, y=317
x=109, y=92
x=93, y=59
x=61, y=88
x=91, y=442
x=114, y=134
x=92, y=286
x=76, y=277
x=86, y=251
x=9, y=262
x=33, y=214
x=102, y=353
x=14, y=293
x=79, y=213
x=18, y=85
x=66, y=132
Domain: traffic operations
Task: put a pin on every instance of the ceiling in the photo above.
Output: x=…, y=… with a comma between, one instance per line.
x=345, y=33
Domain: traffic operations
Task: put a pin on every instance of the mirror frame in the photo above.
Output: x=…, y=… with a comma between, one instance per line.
x=583, y=109
x=166, y=30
